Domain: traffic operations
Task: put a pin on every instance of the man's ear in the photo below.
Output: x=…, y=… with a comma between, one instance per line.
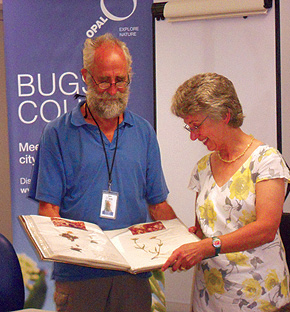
x=84, y=74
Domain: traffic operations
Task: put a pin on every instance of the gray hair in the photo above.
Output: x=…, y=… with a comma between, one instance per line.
x=91, y=45
x=210, y=94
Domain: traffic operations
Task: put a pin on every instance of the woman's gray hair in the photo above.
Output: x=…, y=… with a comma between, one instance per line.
x=91, y=45
x=210, y=94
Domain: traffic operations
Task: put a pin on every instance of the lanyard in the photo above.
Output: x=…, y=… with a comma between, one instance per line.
x=106, y=156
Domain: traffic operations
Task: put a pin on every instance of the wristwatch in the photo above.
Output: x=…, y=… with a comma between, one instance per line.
x=216, y=242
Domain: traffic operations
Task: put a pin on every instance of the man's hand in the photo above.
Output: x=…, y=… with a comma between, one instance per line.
x=162, y=211
x=48, y=210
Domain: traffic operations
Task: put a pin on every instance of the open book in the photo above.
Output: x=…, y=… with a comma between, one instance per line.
x=138, y=248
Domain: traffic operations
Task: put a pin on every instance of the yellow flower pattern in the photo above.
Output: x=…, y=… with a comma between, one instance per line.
x=251, y=280
x=252, y=288
x=271, y=280
x=267, y=153
x=242, y=185
x=284, y=287
x=203, y=163
x=238, y=258
x=214, y=281
x=266, y=306
x=207, y=212
x=247, y=217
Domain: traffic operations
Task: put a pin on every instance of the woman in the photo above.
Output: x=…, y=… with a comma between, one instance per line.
x=240, y=188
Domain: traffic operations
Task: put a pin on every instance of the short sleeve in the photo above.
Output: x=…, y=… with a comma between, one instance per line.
x=48, y=176
x=272, y=166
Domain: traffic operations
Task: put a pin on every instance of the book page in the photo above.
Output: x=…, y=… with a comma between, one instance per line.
x=73, y=242
x=148, y=246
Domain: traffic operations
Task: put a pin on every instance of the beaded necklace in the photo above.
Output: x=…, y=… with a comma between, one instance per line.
x=239, y=156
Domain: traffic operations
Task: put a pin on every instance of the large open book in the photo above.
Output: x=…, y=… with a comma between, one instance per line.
x=138, y=248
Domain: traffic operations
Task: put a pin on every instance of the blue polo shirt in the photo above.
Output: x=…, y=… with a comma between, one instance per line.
x=71, y=172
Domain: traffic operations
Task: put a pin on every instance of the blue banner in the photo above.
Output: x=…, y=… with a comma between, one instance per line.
x=43, y=52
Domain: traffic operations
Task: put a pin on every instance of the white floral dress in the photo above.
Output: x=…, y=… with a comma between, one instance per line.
x=252, y=280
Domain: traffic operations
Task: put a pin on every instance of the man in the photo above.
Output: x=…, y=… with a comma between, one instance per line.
x=101, y=163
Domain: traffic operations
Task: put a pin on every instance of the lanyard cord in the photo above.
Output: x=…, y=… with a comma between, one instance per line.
x=106, y=156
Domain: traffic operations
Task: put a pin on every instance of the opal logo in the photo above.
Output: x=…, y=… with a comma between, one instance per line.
x=113, y=17
x=109, y=16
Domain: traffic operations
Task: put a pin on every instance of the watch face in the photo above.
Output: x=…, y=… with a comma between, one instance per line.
x=216, y=243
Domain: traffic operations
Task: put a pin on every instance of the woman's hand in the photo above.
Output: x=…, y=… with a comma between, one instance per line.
x=196, y=230
x=185, y=257
x=193, y=229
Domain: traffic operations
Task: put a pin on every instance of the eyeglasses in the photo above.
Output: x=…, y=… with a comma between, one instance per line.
x=194, y=128
x=121, y=84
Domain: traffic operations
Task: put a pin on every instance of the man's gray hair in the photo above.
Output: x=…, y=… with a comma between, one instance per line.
x=91, y=44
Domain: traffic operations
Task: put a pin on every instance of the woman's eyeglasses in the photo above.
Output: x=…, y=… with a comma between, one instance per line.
x=194, y=128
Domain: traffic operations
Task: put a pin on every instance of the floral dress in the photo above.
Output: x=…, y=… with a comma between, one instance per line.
x=252, y=280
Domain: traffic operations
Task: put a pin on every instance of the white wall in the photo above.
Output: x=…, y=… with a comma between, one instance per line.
x=285, y=52
x=244, y=51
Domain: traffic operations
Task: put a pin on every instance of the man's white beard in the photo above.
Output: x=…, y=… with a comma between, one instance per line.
x=105, y=105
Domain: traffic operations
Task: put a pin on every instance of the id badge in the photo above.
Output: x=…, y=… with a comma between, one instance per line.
x=109, y=205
